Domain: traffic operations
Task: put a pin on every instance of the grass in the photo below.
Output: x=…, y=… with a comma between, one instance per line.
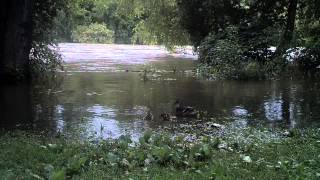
x=249, y=154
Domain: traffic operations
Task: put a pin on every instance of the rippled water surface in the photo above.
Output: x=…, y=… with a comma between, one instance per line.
x=108, y=89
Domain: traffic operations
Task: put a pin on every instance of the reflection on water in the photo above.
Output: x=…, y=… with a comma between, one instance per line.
x=240, y=111
x=121, y=100
x=273, y=110
x=109, y=104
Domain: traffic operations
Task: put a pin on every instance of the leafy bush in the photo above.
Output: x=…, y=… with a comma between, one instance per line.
x=309, y=58
x=222, y=53
x=224, y=56
x=142, y=35
x=253, y=70
x=94, y=33
x=44, y=58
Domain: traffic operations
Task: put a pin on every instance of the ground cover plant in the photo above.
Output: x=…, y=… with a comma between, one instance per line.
x=248, y=153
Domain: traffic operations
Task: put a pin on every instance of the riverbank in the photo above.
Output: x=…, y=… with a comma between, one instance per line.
x=246, y=155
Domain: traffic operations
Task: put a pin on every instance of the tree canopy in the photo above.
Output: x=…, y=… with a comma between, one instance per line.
x=258, y=27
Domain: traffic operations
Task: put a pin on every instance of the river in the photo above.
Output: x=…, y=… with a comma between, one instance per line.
x=106, y=90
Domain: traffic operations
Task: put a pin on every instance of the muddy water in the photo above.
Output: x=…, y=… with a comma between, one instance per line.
x=107, y=90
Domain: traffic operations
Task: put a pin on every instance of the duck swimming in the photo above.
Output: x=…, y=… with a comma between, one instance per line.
x=167, y=117
x=185, y=111
x=149, y=116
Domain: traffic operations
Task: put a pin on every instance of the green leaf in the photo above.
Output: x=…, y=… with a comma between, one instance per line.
x=59, y=175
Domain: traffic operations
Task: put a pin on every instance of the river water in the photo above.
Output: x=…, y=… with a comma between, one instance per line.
x=106, y=90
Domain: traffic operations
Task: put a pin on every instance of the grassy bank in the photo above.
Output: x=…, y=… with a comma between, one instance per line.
x=249, y=155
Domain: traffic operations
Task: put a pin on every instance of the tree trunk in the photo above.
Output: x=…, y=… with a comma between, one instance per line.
x=16, y=37
x=289, y=29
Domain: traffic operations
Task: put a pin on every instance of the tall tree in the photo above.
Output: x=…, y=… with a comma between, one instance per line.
x=26, y=25
x=16, y=36
x=200, y=18
x=289, y=27
x=159, y=22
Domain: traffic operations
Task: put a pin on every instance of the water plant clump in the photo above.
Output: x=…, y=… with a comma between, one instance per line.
x=26, y=156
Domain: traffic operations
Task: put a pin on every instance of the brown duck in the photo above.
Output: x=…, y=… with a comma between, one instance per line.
x=167, y=117
x=185, y=111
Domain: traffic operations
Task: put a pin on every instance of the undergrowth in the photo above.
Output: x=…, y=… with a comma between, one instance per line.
x=294, y=155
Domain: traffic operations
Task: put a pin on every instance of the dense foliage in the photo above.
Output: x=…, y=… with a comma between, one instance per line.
x=159, y=22
x=26, y=38
x=43, y=56
x=94, y=33
x=138, y=22
x=87, y=14
x=261, y=25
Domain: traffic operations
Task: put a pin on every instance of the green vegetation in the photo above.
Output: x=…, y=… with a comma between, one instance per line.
x=251, y=154
x=43, y=57
x=94, y=33
x=159, y=22
x=257, y=26
x=137, y=22
x=81, y=14
x=26, y=39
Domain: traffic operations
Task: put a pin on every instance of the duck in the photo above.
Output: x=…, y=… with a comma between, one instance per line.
x=185, y=111
x=149, y=116
x=167, y=117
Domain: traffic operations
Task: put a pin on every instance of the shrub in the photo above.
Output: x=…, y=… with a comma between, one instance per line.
x=43, y=59
x=94, y=33
x=224, y=56
x=222, y=53
x=142, y=35
x=309, y=58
